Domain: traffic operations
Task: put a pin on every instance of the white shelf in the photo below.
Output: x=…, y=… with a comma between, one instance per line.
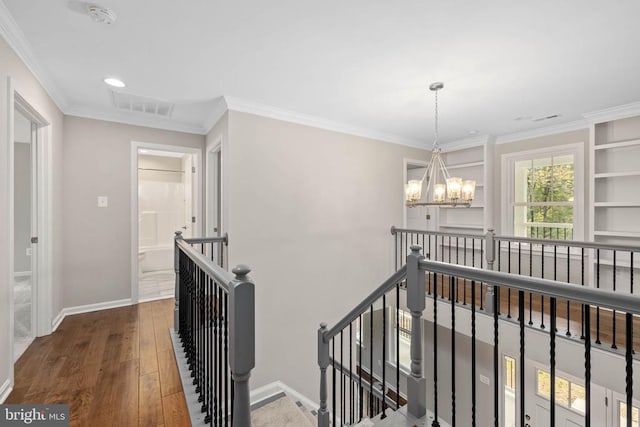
x=470, y=207
x=465, y=226
x=628, y=234
x=616, y=204
x=465, y=165
x=619, y=144
x=616, y=174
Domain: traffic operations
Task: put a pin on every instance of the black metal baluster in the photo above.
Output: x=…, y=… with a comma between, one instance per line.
x=464, y=281
x=496, y=359
x=221, y=358
x=435, y=355
x=333, y=380
x=216, y=353
x=342, y=378
x=522, y=357
x=542, y=296
x=457, y=263
x=613, y=345
x=453, y=358
x=598, y=287
x=371, y=363
x=397, y=346
x=587, y=364
x=473, y=354
x=384, y=356
x=205, y=365
x=629, y=367
x=351, y=373
x=509, y=271
x=568, y=281
x=226, y=355
x=481, y=266
x=552, y=361
x=360, y=388
x=582, y=284
x=531, y=275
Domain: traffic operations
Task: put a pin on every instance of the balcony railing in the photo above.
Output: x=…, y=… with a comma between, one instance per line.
x=429, y=294
x=215, y=319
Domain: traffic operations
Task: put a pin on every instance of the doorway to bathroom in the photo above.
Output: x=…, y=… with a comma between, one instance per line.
x=166, y=201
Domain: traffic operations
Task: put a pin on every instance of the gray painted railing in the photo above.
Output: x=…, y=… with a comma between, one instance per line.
x=217, y=327
x=416, y=270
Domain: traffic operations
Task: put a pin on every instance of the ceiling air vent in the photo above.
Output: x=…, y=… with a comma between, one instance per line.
x=141, y=104
x=543, y=118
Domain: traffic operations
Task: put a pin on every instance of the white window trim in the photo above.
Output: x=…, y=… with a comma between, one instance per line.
x=507, y=199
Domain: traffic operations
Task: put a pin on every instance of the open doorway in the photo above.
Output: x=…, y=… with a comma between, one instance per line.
x=165, y=201
x=25, y=278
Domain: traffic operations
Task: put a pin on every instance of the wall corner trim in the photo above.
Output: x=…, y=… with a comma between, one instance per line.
x=613, y=113
x=57, y=320
x=5, y=390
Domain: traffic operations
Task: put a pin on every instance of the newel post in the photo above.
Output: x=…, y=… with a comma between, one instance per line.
x=242, y=341
x=176, y=268
x=323, y=363
x=416, y=383
x=490, y=254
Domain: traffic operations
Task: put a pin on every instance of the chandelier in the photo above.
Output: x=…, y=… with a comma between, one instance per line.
x=447, y=190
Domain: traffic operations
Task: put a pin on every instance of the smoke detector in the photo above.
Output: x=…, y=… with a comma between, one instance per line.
x=101, y=15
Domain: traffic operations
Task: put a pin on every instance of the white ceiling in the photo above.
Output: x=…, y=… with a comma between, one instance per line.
x=361, y=63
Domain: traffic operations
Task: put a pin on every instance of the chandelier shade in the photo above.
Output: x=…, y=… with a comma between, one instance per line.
x=445, y=189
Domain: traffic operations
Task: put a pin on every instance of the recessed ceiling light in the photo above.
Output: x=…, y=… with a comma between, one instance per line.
x=101, y=15
x=112, y=81
x=473, y=132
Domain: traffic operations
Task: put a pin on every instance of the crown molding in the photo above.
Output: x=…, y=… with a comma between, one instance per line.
x=11, y=32
x=468, y=142
x=544, y=131
x=613, y=113
x=216, y=114
x=134, y=119
x=244, y=106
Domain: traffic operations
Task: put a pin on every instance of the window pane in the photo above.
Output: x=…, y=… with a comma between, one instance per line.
x=562, y=179
x=623, y=415
x=544, y=384
x=543, y=222
x=522, y=180
x=578, y=397
x=510, y=392
x=541, y=180
x=562, y=391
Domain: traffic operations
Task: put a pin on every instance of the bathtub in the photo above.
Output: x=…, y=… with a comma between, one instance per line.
x=155, y=258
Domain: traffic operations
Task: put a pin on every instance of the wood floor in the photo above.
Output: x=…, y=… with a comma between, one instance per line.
x=113, y=367
x=569, y=318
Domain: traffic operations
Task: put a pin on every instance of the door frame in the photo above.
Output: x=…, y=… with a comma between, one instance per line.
x=41, y=218
x=213, y=149
x=197, y=199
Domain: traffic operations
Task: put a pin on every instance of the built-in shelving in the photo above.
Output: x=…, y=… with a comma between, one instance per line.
x=473, y=162
x=615, y=181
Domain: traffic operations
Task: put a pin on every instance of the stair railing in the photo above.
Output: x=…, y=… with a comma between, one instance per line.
x=420, y=274
x=215, y=319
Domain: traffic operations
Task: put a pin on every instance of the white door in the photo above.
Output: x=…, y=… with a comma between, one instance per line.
x=570, y=400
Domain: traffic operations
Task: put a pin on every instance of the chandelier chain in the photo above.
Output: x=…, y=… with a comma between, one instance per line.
x=435, y=141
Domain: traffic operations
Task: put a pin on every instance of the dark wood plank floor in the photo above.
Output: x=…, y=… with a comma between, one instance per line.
x=569, y=318
x=113, y=367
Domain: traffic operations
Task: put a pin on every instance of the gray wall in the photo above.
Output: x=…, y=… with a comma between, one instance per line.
x=96, y=244
x=309, y=210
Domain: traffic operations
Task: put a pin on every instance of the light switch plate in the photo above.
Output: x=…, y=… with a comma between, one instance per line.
x=103, y=201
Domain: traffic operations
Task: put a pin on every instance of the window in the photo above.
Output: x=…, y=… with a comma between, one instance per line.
x=568, y=394
x=509, y=391
x=622, y=410
x=543, y=188
x=404, y=322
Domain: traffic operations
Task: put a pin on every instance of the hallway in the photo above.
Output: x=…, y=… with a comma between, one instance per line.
x=113, y=367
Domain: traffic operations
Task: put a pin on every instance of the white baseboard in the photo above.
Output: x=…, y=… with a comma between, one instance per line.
x=271, y=389
x=68, y=311
x=5, y=390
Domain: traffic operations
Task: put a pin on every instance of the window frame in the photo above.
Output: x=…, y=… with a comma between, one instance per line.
x=508, y=183
x=571, y=381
